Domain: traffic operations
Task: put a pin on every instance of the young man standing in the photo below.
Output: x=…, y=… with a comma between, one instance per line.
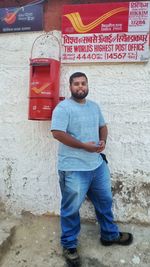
x=79, y=126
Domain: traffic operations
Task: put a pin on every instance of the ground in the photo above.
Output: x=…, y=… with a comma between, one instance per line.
x=33, y=241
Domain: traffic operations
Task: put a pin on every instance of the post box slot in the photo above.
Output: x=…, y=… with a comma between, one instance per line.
x=40, y=64
x=42, y=72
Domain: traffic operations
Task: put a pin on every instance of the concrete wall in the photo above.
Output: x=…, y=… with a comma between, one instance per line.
x=28, y=153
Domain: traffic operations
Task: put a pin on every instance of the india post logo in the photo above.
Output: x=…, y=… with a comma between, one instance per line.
x=89, y=18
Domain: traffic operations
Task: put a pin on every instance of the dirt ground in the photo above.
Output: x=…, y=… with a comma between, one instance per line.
x=35, y=243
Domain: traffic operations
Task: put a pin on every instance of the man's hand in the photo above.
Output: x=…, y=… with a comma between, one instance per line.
x=102, y=144
x=93, y=147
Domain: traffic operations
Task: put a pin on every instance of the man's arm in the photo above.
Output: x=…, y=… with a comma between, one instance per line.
x=103, y=132
x=68, y=140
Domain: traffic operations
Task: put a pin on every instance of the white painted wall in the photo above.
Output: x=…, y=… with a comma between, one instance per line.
x=28, y=153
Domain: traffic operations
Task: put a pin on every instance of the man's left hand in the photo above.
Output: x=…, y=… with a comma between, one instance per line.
x=101, y=146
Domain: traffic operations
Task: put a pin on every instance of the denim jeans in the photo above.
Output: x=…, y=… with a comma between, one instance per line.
x=75, y=185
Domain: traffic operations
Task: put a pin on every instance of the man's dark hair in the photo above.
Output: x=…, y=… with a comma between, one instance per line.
x=75, y=75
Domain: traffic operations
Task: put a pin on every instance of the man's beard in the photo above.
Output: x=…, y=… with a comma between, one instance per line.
x=79, y=96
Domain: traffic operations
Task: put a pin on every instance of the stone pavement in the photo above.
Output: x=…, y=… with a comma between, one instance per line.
x=33, y=241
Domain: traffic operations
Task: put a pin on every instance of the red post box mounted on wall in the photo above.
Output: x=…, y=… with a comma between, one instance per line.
x=44, y=87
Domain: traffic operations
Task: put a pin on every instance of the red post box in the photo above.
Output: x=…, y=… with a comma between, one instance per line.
x=44, y=81
x=44, y=88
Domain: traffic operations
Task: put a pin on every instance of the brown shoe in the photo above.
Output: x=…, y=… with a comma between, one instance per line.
x=124, y=239
x=72, y=257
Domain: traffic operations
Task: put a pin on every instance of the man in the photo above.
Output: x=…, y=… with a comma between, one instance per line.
x=79, y=126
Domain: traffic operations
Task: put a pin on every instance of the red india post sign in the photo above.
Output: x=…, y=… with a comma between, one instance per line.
x=118, y=32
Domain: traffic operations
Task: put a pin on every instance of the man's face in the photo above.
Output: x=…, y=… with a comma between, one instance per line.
x=79, y=87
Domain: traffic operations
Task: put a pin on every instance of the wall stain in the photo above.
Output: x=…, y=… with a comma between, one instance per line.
x=7, y=171
x=24, y=181
x=131, y=190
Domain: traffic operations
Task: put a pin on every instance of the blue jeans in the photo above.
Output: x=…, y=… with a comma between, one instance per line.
x=75, y=185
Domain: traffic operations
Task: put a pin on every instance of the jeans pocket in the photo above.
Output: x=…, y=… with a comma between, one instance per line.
x=63, y=178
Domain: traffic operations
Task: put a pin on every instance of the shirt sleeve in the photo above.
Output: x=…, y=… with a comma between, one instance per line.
x=60, y=119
